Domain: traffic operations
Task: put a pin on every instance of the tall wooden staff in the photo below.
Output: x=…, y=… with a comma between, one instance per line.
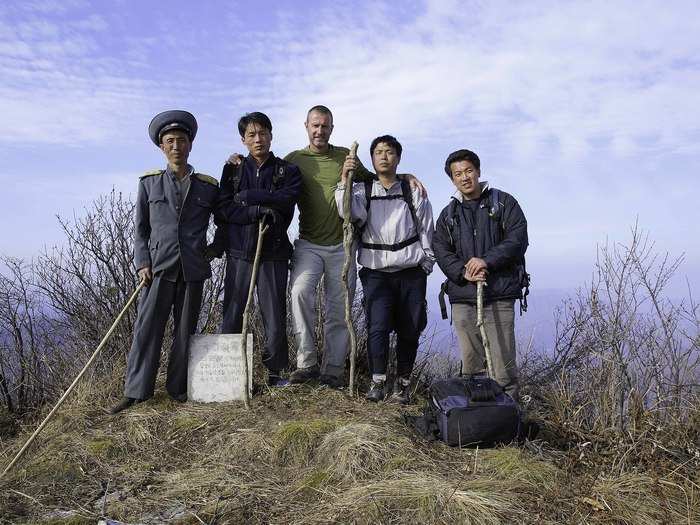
x=480, y=324
x=76, y=380
x=262, y=228
x=347, y=246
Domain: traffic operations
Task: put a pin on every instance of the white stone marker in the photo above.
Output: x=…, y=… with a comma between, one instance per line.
x=215, y=371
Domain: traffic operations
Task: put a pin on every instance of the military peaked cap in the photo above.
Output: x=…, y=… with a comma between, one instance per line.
x=169, y=120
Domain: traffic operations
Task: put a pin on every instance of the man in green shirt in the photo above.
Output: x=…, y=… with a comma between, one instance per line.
x=318, y=253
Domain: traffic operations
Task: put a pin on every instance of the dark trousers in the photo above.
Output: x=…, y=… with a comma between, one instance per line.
x=394, y=301
x=161, y=297
x=272, y=299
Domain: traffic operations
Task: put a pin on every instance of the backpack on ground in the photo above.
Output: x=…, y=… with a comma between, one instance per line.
x=468, y=412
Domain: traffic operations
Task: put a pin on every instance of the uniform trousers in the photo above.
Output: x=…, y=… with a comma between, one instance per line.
x=272, y=298
x=394, y=301
x=161, y=297
x=310, y=263
x=499, y=324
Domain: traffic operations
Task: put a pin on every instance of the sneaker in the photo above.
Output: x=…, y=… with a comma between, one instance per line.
x=125, y=403
x=402, y=391
x=276, y=381
x=332, y=381
x=376, y=391
x=302, y=375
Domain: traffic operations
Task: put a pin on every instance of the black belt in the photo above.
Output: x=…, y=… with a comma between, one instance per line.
x=390, y=247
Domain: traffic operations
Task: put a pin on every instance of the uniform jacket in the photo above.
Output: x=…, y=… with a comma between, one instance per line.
x=500, y=243
x=167, y=231
x=238, y=214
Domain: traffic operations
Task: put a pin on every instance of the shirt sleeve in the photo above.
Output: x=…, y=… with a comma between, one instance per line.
x=142, y=231
x=424, y=213
x=358, y=207
x=515, y=240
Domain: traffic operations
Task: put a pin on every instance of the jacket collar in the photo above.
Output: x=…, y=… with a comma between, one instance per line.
x=460, y=198
x=169, y=172
x=252, y=162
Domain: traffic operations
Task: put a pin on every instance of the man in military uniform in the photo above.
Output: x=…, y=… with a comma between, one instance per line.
x=173, y=208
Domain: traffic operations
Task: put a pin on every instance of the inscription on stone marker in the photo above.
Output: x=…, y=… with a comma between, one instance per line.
x=216, y=367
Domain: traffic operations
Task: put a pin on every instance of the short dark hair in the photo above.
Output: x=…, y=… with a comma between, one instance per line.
x=389, y=141
x=254, y=118
x=462, y=154
x=319, y=109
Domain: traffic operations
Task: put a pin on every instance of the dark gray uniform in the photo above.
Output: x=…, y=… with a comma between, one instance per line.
x=172, y=218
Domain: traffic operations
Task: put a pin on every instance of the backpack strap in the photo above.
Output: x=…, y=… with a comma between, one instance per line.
x=236, y=177
x=495, y=205
x=280, y=173
x=405, y=190
x=452, y=220
x=408, y=197
x=368, y=194
x=443, y=305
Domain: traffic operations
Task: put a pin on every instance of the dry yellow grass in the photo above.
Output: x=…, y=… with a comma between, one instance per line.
x=304, y=455
x=360, y=451
x=425, y=498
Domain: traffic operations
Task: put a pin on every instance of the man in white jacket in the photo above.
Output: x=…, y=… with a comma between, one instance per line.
x=396, y=257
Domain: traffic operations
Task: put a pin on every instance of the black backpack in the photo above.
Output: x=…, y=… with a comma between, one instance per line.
x=496, y=213
x=469, y=412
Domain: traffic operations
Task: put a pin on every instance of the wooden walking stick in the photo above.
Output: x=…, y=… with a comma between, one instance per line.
x=480, y=324
x=262, y=228
x=348, y=234
x=76, y=380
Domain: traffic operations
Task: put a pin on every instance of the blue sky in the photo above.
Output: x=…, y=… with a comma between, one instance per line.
x=587, y=112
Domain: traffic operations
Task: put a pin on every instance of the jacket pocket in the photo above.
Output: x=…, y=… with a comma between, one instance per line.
x=156, y=197
x=204, y=202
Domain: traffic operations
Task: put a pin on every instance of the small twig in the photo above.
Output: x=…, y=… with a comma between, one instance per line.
x=104, y=499
x=25, y=495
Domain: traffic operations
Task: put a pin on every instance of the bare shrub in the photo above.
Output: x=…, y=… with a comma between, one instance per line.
x=55, y=310
x=624, y=371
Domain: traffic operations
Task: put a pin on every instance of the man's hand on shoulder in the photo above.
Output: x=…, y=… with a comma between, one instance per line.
x=146, y=275
x=235, y=159
x=416, y=184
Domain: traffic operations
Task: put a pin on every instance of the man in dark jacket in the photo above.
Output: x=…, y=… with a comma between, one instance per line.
x=482, y=236
x=173, y=208
x=262, y=187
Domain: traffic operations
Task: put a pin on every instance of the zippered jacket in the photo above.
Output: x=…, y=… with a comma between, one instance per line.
x=238, y=212
x=461, y=234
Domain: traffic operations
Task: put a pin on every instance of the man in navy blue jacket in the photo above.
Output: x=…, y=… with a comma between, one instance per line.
x=482, y=236
x=261, y=187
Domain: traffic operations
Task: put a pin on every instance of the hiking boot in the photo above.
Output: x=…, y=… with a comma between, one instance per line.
x=402, y=391
x=125, y=403
x=376, y=391
x=302, y=375
x=274, y=380
x=332, y=381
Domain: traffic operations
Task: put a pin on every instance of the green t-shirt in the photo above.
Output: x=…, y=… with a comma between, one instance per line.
x=319, y=222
